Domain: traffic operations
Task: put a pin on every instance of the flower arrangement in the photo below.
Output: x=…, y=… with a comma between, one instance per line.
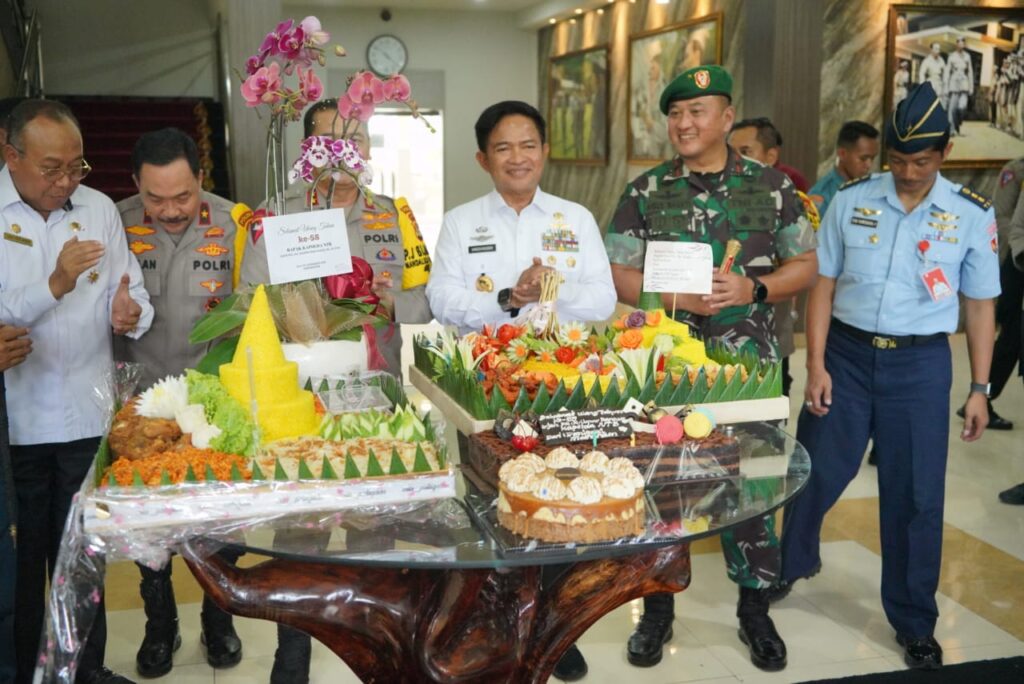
x=288, y=49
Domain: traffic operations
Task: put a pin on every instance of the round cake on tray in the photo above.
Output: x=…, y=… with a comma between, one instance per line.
x=562, y=498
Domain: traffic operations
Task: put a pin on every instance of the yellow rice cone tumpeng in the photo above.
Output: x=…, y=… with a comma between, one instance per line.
x=283, y=410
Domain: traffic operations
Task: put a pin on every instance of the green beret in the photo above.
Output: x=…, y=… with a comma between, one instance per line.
x=709, y=79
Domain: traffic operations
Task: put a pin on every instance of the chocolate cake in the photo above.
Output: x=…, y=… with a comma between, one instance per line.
x=715, y=457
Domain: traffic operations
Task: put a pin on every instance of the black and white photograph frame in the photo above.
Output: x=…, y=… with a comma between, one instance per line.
x=974, y=58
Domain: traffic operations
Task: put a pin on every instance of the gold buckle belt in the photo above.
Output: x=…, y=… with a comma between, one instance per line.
x=879, y=342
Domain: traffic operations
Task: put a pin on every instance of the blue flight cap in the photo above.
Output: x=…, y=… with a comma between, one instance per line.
x=918, y=122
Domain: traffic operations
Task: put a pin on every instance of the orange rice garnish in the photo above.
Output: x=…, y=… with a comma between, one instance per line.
x=176, y=463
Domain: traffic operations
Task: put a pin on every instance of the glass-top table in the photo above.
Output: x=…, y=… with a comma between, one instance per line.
x=463, y=532
x=437, y=591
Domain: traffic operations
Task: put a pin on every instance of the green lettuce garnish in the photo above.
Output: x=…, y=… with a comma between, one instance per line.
x=222, y=410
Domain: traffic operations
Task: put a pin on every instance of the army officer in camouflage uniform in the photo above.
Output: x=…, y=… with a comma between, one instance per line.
x=709, y=193
x=383, y=232
x=187, y=245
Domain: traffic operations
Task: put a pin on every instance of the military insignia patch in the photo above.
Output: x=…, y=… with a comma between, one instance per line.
x=140, y=246
x=855, y=181
x=139, y=230
x=994, y=244
x=75, y=226
x=1006, y=177
x=702, y=78
x=204, y=214
x=211, y=285
x=559, y=239
x=484, y=283
x=215, y=232
x=211, y=304
x=212, y=250
x=93, y=276
x=385, y=255
x=865, y=211
x=975, y=198
x=11, y=237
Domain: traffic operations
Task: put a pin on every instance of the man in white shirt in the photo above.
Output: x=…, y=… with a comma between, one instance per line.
x=493, y=250
x=65, y=274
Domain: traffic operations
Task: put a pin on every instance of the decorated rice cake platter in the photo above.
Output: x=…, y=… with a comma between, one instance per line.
x=643, y=355
x=251, y=441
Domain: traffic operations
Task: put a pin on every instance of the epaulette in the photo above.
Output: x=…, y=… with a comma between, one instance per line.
x=855, y=181
x=975, y=198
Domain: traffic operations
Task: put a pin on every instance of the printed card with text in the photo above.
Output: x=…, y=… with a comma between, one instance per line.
x=312, y=244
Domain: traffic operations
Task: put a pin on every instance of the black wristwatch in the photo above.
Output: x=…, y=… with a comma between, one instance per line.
x=760, y=293
x=983, y=388
x=505, y=302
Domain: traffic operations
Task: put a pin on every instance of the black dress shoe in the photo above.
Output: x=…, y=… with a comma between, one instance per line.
x=645, y=643
x=922, y=653
x=223, y=647
x=781, y=589
x=1013, y=496
x=571, y=666
x=102, y=676
x=995, y=421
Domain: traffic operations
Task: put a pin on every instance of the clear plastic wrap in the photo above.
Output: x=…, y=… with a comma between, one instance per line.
x=147, y=524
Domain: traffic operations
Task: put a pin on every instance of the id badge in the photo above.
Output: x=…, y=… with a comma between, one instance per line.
x=936, y=283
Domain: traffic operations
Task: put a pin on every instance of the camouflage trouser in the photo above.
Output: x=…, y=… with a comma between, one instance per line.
x=752, y=555
x=753, y=558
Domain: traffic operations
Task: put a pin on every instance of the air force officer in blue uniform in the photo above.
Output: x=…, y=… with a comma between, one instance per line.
x=894, y=250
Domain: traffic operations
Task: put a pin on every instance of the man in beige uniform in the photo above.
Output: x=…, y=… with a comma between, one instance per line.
x=383, y=233
x=375, y=234
x=185, y=242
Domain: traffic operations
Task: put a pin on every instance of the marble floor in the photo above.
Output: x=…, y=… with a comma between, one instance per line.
x=833, y=624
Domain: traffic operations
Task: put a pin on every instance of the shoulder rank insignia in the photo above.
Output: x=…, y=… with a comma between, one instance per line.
x=854, y=181
x=974, y=197
x=204, y=214
x=139, y=230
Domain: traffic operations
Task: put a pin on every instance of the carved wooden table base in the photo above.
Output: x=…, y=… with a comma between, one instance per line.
x=419, y=625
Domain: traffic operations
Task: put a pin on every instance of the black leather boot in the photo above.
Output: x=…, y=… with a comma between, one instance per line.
x=223, y=647
x=645, y=645
x=155, y=656
x=291, y=660
x=757, y=631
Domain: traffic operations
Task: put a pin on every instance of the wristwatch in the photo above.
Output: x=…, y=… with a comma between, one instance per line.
x=984, y=388
x=760, y=293
x=505, y=302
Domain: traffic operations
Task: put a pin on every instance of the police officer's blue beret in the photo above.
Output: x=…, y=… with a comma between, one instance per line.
x=918, y=122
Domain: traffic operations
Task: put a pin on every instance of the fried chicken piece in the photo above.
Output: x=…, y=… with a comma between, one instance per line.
x=135, y=437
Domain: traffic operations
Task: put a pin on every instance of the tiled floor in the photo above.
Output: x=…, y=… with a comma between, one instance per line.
x=833, y=624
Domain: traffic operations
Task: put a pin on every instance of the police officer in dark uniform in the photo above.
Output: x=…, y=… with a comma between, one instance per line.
x=894, y=250
x=187, y=245
x=709, y=193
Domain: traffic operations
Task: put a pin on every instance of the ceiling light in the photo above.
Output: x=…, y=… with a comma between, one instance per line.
x=578, y=10
x=600, y=10
x=552, y=20
x=572, y=21
x=660, y=2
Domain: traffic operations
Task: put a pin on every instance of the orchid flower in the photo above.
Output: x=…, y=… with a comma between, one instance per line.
x=262, y=86
x=366, y=88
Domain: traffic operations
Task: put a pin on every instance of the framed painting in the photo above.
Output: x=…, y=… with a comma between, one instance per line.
x=655, y=58
x=974, y=58
x=578, y=106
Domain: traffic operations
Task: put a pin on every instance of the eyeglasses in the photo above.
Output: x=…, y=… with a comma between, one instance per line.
x=54, y=174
